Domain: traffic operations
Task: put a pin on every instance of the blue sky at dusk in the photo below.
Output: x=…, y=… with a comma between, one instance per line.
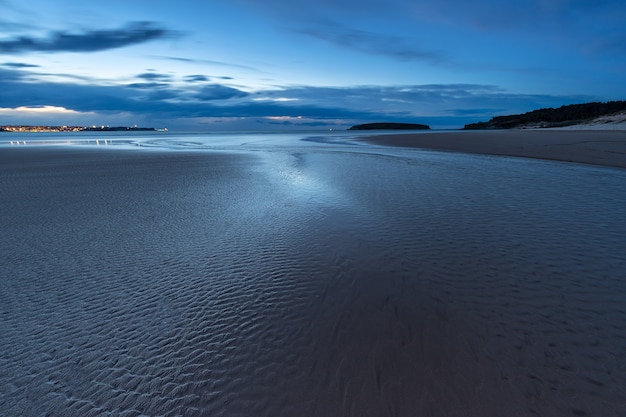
x=246, y=64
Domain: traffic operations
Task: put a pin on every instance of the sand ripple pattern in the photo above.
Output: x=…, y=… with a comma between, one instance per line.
x=310, y=284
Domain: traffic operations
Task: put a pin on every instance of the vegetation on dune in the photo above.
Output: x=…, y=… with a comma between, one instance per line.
x=563, y=116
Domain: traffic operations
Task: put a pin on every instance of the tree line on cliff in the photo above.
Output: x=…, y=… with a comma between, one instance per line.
x=550, y=117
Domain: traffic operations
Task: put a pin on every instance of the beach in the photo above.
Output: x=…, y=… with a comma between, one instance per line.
x=599, y=146
x=316, y=279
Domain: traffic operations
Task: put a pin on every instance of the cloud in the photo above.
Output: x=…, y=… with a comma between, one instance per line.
x=318, y=20
x=37, y=110
x=211, y=101
x=196, y=78
x=147, y=85
x=485, y=14
x=207, y=62
x=218, y=92
x=371, y=42
x=158, y=95
x=386, y=97
x=153, y=81
x=89, y=41
x=434, y=104
x=10, y=77
x=439, y=32
x=6, y=26
x=154, y=76
x=19, y=65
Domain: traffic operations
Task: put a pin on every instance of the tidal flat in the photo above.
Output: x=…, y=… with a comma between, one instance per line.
x=314, y=276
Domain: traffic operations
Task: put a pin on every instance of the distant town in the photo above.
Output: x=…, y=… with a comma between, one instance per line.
x=29, y=128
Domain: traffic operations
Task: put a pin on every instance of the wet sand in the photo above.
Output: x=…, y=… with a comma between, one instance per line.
x=593, y=146
x=310, y=284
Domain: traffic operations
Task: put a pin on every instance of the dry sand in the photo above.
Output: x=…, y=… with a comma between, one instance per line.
x=592, y=146
x=300, y=284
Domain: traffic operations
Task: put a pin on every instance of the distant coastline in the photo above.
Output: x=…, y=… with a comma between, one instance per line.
x=35, y=129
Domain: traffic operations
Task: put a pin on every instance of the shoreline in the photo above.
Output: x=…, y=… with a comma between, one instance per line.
x=596, y=147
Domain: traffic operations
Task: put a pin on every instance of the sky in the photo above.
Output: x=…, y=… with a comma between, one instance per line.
x=296, y=64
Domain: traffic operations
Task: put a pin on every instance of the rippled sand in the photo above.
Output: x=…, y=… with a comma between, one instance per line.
x=309, y=283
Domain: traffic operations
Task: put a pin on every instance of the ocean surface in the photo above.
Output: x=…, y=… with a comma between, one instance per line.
x=306, y=274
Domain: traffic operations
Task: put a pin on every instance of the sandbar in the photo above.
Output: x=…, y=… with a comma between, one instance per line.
x=597, y=146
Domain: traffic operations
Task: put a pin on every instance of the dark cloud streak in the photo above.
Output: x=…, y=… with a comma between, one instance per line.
x=19, y=65
x=196, y=78
x=371, y=42
x=208, y=62
x=147, y=85
x=151, y=76
x=90, y=41
x=218, y=92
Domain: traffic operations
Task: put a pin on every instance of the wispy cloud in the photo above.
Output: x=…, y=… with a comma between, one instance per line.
x=88, y=41
x=208, y=62
x=372, y=42
x=408, y=28
x=19, y=65
x=7, y=26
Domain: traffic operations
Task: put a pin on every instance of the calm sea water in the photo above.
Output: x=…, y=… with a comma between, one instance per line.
x=171, y=140
x=308, y=274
